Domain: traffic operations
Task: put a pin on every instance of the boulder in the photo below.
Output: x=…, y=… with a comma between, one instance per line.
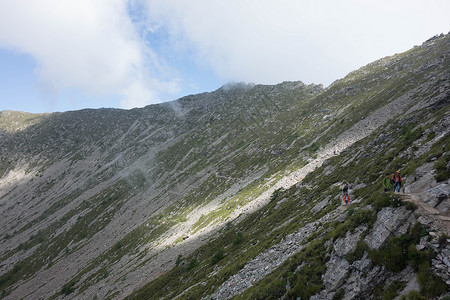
x=388, y=221
x=344, y=246
x=337, y=270
x=321, y=205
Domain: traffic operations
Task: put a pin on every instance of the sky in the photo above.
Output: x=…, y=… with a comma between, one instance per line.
x=60, y=55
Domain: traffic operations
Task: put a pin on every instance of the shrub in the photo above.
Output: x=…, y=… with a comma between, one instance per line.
x=416, y=232
x=192, y=264
x=308, y=281
x=68, y=288
x=179, y=260
x=218, y=256
x=361, y=216
x=239, y=238
x=314, y=147
x=381, y=200
x=410, y=206
x=276, y=194
x=443, y=240
x=358, y=253
x=413, y=295
x=431, y=286
x=392, y=256
x=442, y=172
x=350, y=210
x=391, y=291
x=339, y=295
x=228, y=226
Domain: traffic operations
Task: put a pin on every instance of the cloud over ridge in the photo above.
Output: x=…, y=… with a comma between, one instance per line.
x=92, y=46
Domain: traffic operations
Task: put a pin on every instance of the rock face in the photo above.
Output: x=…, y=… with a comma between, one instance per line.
x=346, y=245
x=388, y=222
x=266, y=262
x=438, y=197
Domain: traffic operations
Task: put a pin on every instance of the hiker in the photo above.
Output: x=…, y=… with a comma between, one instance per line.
x=387, y=183
x=346, y=198
x=397, y=179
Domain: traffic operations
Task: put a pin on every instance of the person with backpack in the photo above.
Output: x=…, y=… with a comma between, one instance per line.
x=346, y=198
x=387, y=183
x=397, y=180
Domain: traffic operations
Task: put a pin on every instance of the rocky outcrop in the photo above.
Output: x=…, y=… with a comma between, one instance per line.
x=388, y=222
x=267, y=261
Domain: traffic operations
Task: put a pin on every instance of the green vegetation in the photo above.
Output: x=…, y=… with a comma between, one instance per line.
x=68, y=288
x=12, y=121
x=442, y=171
x=218, y=256
x=401, y=251
x=390, y=291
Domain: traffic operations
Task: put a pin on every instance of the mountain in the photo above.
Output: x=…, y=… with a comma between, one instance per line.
x=236, y=192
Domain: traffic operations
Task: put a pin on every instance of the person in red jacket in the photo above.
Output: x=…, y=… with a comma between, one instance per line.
x=397, y=181
x=345, y=193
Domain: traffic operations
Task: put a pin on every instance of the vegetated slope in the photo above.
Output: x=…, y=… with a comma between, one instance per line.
x=305, y=243
x=95, y=203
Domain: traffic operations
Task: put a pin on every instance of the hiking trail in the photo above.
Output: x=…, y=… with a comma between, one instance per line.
x=436, y=219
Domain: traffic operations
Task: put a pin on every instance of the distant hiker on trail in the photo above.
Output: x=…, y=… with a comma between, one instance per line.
x=397, y=179
x=346, y=198
x=387, y=183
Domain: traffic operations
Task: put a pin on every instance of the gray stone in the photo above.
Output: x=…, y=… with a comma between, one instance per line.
x=361, y=287
x=412, y=285
x=337, y=270
x=344, y=246
x=403, y=229
x=420, y=247
x=321, y=205
x=423, y=240
x=363, y=265
x=424, y=221
x=446, y=261
x=388, y=221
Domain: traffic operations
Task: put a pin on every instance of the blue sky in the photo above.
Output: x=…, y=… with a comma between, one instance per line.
x=59, y=55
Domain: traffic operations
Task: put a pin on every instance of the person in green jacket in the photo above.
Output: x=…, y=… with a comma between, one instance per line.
x=387, y=183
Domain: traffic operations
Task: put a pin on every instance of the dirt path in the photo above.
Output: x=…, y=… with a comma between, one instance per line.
x=437, y=220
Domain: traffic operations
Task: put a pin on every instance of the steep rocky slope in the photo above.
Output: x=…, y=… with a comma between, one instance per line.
x=96, y=203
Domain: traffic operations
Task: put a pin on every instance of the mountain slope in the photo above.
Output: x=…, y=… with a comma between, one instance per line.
x=95, y=203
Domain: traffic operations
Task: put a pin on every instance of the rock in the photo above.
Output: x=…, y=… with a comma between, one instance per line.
x=437, y=195
x=337, y=269
x=423, y=240
x=420, y=247
x=344, y=246
x=363, y=265
x=358, y=286
x=412, y=285
x=388, y=221
x=446, y=261
x=403, y=229
x=424, y=221
x=319, y=206
x=359, y=186
x=277, y=206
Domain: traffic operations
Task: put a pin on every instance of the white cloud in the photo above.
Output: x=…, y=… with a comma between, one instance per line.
x=309, y=40
x=92, y=46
